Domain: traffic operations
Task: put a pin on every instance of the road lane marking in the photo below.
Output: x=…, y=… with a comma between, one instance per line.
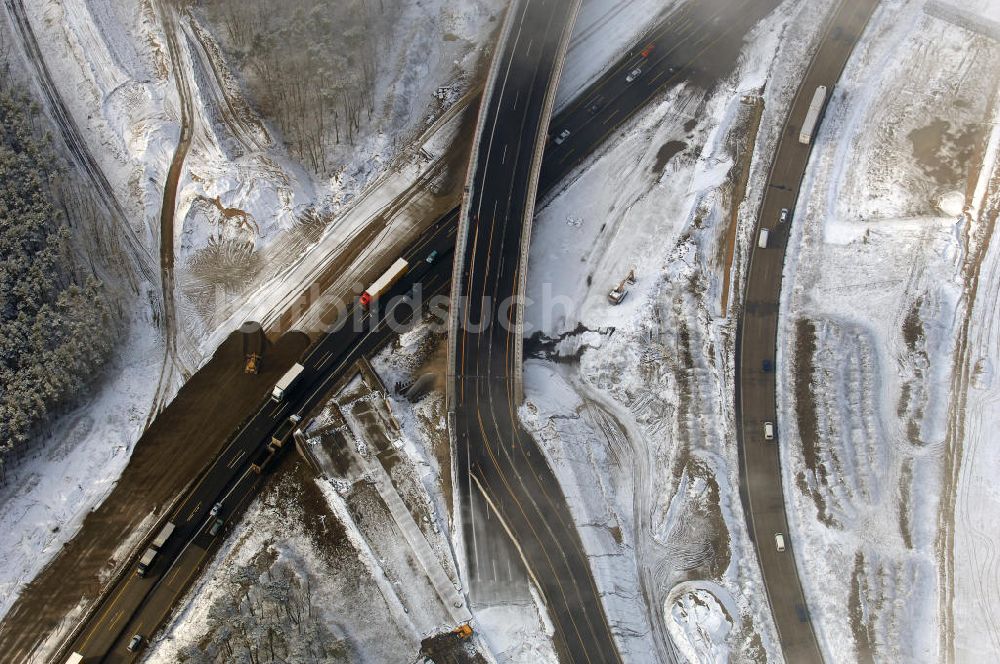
x=236, y=459
x=115, y=621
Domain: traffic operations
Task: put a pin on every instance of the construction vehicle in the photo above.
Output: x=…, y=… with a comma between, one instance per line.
x=286, y=382
x=252, y=365
x=284, y=432
x=618, y=293
x=254, y=341
x=812, y=115
x=385, y=282
x=463, y=631
x=261, y=461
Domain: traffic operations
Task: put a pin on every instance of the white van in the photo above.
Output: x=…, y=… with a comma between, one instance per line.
x=762, y=238
x=779, y=542
x=768, y=431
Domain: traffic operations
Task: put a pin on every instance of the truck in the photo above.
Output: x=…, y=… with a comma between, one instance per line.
x=75, y=658
x=154, y=547
x=283, y=433
x=165, y=532
x=286, y=382
x=812, y=115
x=385, y=282
x=263, y=458
x=146, y=561
x=762, y=238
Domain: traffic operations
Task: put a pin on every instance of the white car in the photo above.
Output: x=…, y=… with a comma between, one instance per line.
x=779, y=542
x=632, y=75
x=783, y=217
x=768, y=431
x=215, y=509
x=563, y=135
x=135, y=643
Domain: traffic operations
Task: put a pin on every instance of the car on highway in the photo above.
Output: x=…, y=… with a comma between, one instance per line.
x=563, y=135
x=135, y=643
x=431, y=257
x=594, y=108
x=767, y=366
x=768, y=430
x=216, y=527
x=215, y=509
x=779, y=541
x=634, y=74
x=783, y=216
x=649, y=49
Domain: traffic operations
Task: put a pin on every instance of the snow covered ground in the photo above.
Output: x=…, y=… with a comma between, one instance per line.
x=876, y=293
x=353, y=603
x=110, y=61
x=604, y=30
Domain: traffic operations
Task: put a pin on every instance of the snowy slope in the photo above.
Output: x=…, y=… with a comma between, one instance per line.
x=871, y=313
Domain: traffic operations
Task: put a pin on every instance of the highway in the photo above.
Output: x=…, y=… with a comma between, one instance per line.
x=761, y=488
x=138, y=605
x=494, y=458
x=497, y=462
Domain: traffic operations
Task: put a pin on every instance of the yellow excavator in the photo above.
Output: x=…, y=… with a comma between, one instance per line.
x=252, y=365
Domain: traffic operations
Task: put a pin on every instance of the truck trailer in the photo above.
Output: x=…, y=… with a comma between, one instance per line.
x=165, y=532
x=812, y=115
x=385, y=282
x=287, y=382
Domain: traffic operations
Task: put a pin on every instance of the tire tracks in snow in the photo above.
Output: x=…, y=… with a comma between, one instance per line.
x=980, y=225
x=171, y=362
x=75, y=143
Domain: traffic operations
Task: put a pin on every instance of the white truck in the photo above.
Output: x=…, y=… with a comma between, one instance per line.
x=812, y=115
x=762, y=238
x=385, y=282
x=154, y=548
x=165, y=532
x=75, y=658
x=286, y=382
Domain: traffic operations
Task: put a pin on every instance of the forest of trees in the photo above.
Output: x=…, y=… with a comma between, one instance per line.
x=55, y=319
x=309, y=67
x=263, y=618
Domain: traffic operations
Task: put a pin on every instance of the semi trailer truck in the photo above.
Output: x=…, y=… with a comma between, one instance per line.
x=385, y=282
x=286, y=382
x=812, y=115
x=149, y=555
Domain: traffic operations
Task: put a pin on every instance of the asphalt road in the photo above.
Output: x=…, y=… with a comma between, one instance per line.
x=138, y=605
x=495, y=457
x=757, y=340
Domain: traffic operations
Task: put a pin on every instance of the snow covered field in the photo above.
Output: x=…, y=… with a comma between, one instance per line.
x=876, y=293
x=110, y=61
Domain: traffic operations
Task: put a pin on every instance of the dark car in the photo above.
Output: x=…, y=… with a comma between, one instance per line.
x=767, y=366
